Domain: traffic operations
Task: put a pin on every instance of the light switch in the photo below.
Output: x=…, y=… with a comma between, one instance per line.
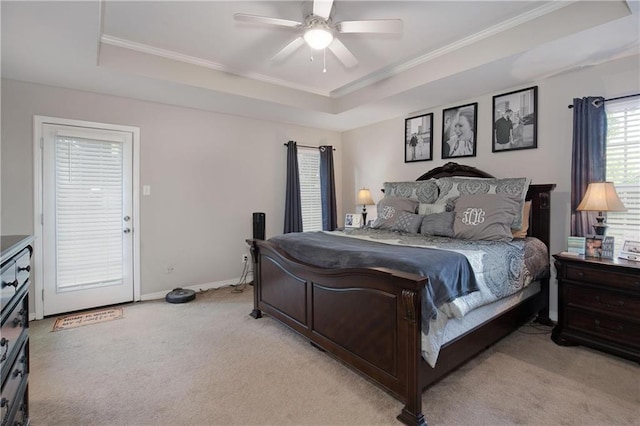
x=146, y=189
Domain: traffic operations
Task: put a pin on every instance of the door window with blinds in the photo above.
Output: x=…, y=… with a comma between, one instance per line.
x=311, y=199
x=87, y=217
x=623, y=167
x=88, y=211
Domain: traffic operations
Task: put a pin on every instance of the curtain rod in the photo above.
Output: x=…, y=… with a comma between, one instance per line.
x=307, y=146
x=614, y=99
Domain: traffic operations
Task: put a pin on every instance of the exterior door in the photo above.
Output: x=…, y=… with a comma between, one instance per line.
x=87, y=217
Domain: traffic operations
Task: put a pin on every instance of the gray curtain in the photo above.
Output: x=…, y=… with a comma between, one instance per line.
x=293, y=204
x=588, y=157
x=328, y=189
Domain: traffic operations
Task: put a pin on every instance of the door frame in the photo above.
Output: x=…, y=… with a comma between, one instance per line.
x=38, y=218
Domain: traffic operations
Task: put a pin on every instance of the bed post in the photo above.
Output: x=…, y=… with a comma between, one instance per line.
x=540, y=197
x=256, y=313
x=412, y=315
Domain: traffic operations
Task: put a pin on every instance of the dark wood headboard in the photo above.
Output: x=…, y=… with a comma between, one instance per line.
x=454, y=169
x=539, y=195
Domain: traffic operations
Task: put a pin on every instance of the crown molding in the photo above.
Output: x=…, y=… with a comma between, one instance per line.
x=144, y=48
x=467, y=41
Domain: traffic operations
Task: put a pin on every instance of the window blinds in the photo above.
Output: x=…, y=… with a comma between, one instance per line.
x=309, y=170
x=88, y=197
x=623, y=167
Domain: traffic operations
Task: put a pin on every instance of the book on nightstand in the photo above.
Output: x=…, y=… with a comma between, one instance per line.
x=576, y=245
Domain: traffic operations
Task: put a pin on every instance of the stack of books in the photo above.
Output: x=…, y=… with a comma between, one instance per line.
x=576, y=245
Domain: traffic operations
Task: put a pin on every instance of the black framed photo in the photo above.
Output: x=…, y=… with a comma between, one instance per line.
x=459, y=128
x=515, y=120
x=418, y=138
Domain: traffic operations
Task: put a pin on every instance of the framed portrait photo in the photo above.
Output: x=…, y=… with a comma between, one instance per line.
x=418, y=138
x=515, y=120
x=459, y=129
x=353, y=220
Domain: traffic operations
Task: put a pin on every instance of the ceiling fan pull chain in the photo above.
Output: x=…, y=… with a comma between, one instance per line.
x=324, y=60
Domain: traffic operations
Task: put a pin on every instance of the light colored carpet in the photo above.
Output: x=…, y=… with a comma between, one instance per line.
x=208, y=362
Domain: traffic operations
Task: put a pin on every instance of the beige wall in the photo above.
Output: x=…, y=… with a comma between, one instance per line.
x=374, y=154
x=208, y=172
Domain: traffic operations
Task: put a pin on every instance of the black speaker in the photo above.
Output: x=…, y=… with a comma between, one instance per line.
x=258, y=226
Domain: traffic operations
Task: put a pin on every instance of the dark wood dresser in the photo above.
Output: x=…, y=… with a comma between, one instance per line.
x=599, y=304
x=14, y=337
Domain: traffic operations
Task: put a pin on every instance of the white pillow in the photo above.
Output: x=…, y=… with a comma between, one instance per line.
x=425, y=208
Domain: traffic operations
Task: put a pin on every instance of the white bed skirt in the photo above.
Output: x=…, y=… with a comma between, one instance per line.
x=443, y=330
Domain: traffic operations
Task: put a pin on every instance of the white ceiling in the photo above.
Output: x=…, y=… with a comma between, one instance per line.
x=195, y=54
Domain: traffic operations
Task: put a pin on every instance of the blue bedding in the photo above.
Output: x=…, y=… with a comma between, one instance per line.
x=450, y=274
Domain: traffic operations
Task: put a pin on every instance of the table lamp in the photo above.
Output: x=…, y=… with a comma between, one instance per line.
x=601, y=197
x=364, y=198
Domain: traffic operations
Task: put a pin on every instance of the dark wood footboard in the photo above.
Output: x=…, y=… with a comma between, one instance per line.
x=368, y=318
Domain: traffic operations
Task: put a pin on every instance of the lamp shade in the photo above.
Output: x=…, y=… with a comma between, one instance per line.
x=364, y=197
x=601, y=197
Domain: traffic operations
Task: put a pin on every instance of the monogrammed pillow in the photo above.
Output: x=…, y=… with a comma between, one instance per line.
x=485, y=217
x=450, y=187
x=390, y=214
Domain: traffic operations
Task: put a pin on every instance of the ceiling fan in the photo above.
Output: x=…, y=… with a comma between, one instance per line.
x=319, y=31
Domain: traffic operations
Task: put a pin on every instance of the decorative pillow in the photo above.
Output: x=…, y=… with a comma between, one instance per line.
x=440, y=224
x=424, y=191
x=450, y=187
x=407, y=222
x=389, y=210
x=485, y=217
x=425, y=208
x=522, y=232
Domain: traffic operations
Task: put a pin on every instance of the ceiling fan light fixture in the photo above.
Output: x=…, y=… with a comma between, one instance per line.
x=318, y=38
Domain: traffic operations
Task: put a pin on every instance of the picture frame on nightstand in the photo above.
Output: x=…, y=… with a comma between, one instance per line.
x=599, y=246
x=594, y=246
x=353, y=220
x=608, y=247
x=630, y=251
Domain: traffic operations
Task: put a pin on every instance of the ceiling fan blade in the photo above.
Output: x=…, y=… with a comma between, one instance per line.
x=243, y=17
x=322, y=8
x=343, y=54
x=387, y=26
x=288, y=50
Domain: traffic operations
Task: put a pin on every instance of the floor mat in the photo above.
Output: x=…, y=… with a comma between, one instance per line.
x=87, y=318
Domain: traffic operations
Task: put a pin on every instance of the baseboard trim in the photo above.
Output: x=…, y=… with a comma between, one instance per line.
x=196, y=288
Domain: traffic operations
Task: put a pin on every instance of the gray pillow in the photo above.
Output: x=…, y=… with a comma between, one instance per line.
x=450, y=187
x=407, y=222
x=390, y=209
x=424, y=191
x=485, y=217
x=440, y=224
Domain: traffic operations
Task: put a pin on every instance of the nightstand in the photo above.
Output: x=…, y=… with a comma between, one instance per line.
x=598, y=304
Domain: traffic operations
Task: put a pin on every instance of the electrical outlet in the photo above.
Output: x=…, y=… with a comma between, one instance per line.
x=245, y=258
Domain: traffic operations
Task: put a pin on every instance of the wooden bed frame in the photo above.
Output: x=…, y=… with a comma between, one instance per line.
x=370, y=318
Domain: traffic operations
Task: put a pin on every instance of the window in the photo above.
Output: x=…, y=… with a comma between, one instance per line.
x=309, y=169
x=623, y=167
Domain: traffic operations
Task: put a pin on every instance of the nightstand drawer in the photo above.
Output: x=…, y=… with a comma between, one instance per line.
x=616, y=303
x=603, y=327
x=603, y=277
